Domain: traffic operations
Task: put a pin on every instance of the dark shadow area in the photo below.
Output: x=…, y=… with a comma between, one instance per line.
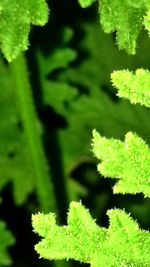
x=100, y=197
x=51, y=123
x=111, y=93
x=77, y=264
x=137, y=205
x=18, y=221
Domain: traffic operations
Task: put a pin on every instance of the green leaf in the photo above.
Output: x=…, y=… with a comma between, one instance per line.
x=123, y=18
x=15, y=19
x=6, y=240
x=127, y=161
x=86, y=3
x=147, y=21
x=135, y=87
x=122, y=244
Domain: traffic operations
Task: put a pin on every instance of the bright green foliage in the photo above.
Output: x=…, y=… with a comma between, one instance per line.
x=147, y=21
x=86, y=3
x=15, y=19
x=124, y=17
x=135, y=87
x=6, y=239
x=122, y=244
x=127, y=161
x=75, y=88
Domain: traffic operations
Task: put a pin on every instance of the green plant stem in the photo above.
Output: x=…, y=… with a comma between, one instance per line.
x=44, y=186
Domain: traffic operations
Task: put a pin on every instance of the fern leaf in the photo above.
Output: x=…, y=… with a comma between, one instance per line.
x=147, y=21
x=15, y=19
x=127, y=161
x=124, y=17
x=135, y=87
x=122, y=244
x=86, y=3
